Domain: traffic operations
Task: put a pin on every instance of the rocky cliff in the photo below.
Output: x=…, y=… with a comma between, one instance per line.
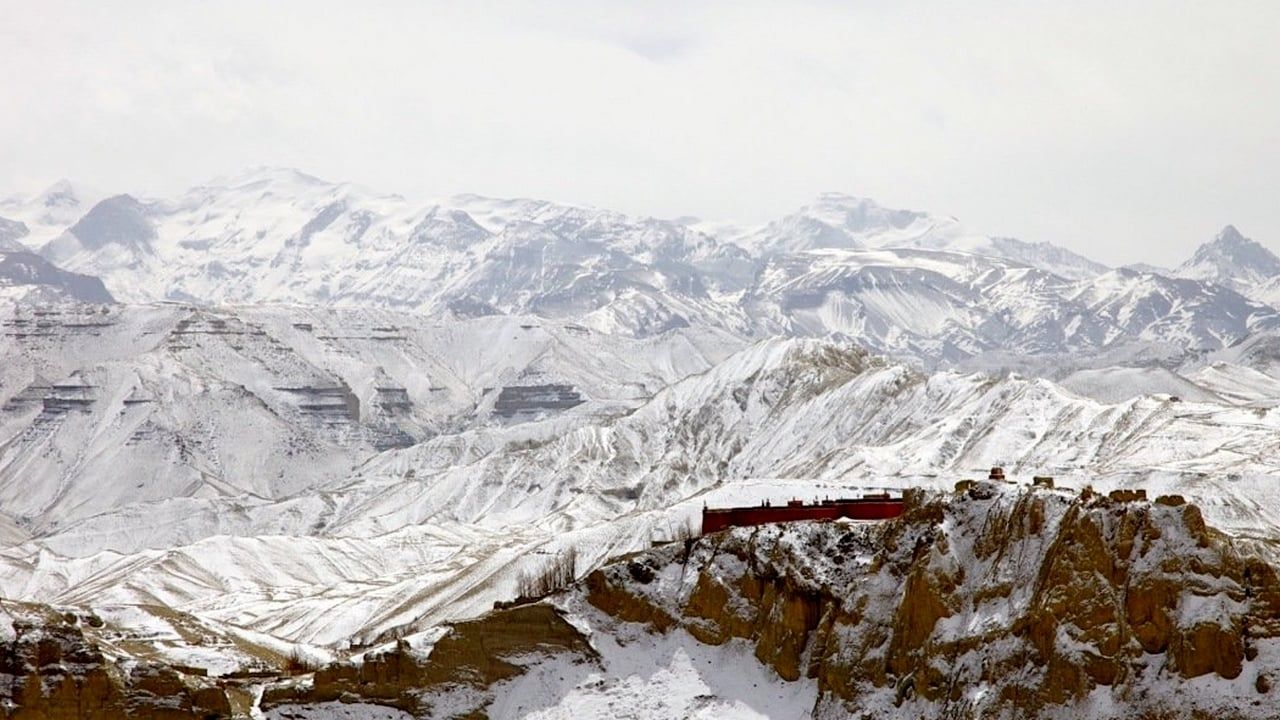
x=51, y=670
x=994, y=601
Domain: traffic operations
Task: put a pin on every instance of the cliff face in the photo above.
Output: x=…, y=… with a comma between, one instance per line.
x=50, y=670
x=454, y=678
x=996, y=602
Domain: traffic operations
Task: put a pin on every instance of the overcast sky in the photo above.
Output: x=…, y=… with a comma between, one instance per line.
x=1128, y=131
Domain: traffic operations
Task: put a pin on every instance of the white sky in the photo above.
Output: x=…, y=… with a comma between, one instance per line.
x=1128, y=131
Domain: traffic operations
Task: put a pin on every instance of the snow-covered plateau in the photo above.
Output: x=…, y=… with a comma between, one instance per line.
x=275, y=424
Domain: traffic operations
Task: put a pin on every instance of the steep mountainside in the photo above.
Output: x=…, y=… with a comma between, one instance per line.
x=30, y=279
x=440, y=530
x=1233, y=260
x=268, y=402
x=992, y=601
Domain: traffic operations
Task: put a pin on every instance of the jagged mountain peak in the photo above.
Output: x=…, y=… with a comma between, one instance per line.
x=118, y=219
x=59, y=197
x=59, y=193
x=48, y=213
x=1229, y=234
x=1231, y=259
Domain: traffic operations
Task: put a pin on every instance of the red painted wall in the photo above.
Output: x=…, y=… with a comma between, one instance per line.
x=714, y=520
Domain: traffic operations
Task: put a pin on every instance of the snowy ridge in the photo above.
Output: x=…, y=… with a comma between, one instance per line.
x=900, y=282
x=268, y=402
x=1231, y=259
x=437, y=530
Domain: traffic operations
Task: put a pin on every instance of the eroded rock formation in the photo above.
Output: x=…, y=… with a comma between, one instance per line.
x=49, y=670
x=452, y=679
x=994, y=602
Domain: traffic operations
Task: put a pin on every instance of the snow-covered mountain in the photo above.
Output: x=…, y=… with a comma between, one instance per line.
x=1196, y=314
x=1233, y=260
x=844, y=222
x=1052, y=602
x=32, y=280
x=900, y=282
x=47, y=214
x=269, y=402
x=406, y=538
x=281, y=236
x=1236, y=262
x=323, y=418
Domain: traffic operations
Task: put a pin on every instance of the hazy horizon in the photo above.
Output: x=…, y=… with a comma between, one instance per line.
x=1127, y=134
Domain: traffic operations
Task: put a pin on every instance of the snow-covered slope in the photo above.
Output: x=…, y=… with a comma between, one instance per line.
x=441, y=529
x=1238, y=383
x=47, y=214
x=268, y=402
x=1233, y=260
x=936, y=305
x=1120, y=384
x=844, y=222
x=32, y=280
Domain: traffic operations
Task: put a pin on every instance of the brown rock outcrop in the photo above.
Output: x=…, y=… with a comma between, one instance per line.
x=51, y=671
x=471, y=656
x=1040, y=596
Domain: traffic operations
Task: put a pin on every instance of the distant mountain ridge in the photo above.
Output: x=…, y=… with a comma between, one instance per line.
x=902, y=282
x=1231, y=259
x=32, y=279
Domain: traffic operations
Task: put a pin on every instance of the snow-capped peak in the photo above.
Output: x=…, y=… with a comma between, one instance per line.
x=1231, y=259
x=60, y=193
x=63, y=201
x=50, y=212
x=840, y=221
x=859, y=214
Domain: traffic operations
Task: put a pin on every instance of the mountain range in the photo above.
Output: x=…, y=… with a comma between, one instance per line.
x=299, y=419
x=899, y=282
